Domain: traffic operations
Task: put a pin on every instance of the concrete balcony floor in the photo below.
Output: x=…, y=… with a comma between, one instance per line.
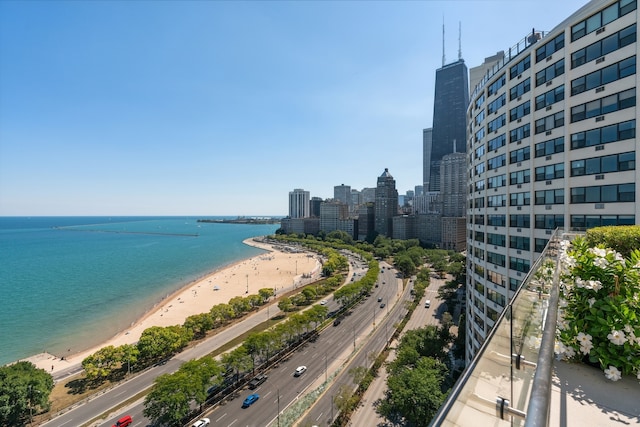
x=582, y=396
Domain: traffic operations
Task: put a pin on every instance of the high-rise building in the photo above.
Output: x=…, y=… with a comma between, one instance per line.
x=331, y=213
x=386, y=203
x=299, y=203
x=427, y=141
x=453, y=184
x=342, y=193
x=449, y=117
x=552, y=144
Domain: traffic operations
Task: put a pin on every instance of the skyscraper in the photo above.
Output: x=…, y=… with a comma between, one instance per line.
x=299, y=203
x=342, y=193
x=553, y=144
x=427, y=140
x=449, y=116
x=386, y=204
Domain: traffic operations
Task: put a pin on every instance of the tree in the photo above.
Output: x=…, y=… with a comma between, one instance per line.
x=199, y=324
x=159, y=342
x=102, y=363
x=266, y=293
x=405, y=265
x=24, y=390
x=414, y=396
x=285, y=304
x=169, y=400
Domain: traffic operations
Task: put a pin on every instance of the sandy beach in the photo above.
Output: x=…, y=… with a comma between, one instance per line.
x=276, y=268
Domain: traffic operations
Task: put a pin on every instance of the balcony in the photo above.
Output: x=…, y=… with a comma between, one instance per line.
x=515, y=379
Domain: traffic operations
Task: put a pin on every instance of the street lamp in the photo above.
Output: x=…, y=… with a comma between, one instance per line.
x=247, y=283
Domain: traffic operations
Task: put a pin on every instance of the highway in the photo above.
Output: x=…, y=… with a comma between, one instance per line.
x=281, y=389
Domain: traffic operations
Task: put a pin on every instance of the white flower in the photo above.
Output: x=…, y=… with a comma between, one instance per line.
x=560, y=349
x=599, y=252
x=591, y=302
x=569, y=352
x=579, y=283
x=596, y=285
x=600, y=262
x=534, y=342
x=612, y=373
x=617, y=337
x=617, y=256
x=585, y=342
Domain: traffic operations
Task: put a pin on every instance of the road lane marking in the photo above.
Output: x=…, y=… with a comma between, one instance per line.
x=224, y=415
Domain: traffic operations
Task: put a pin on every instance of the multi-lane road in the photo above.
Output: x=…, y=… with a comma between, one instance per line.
x=282, y=389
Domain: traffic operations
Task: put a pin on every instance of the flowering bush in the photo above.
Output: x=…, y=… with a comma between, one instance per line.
x=599, y=308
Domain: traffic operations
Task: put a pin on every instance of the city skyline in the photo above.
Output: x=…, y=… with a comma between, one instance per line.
x=221, y=108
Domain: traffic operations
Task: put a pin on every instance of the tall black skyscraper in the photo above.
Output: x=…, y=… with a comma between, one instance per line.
x=449, y=116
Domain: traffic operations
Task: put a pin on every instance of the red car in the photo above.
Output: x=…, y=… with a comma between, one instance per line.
x=124, y=421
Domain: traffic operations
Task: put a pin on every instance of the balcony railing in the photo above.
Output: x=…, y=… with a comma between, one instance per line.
x=509, y=380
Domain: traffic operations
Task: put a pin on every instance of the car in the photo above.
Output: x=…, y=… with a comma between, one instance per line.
x=379, y=299
x=300, y=370
x=337, y=322
x=427, y=303
x=384, y=282
x=323, y=302
x=257, y=380
x=124, y=421
x=201, y=423
x=382, y=305
x=250, y=400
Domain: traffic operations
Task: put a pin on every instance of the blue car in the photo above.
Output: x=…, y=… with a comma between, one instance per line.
x=250, y=400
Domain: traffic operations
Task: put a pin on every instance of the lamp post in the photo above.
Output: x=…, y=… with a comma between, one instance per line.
x=247, y=284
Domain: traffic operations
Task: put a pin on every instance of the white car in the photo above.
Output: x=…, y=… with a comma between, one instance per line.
x=201, y=423
x=299, y=371
x=323, y=302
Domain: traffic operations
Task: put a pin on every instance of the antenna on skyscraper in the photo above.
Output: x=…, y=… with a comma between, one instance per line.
x=443, y=40
x=454, y=146
x=459, y=40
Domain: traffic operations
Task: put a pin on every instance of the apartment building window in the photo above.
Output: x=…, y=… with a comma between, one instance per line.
x=496, y=278
x=550, y=97
x=550, y=147
x=519, y=111
x=479, y=236
x=520, y=199
x=608, y=104
x=520, y=133
x=519, y=221
x=604, y=135
x=496, y=162
x=550, y=197
x=613, y=72
x=479, y=287
x=496, y=259
x=496, y=220
x=550, y=48
x=497, y=123
x=549, y=172
x=520, y=177
x=495, y=239
x=496, y=201
x=479, y=101
x=550, y=73
x=478, y=321
x=605, y=164
x=521, y=66
x=492, y=314
x=520, y=89
x=589, y=221
x=479, y=202
x=497, y=181
x=540, y=244
x=496, y=85
x=479, y=169
x=478, y=219
x=496, y=104
x=514, y=284
x=497, y=142
x=479, y=118
x=602, y=18
x=479, y=152
x=479, y=185
x=519, y=264
x=602, y=47
x=496, y=297
x=479, y=254
x=520, y=155
x=549, y=222
x=550, y=122
x=604, y=193
x=519, y=242
x=479, y=134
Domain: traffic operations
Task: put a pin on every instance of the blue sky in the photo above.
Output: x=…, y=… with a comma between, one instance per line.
x=222, y=108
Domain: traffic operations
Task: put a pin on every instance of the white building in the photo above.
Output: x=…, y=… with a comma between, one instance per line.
x=299, y=203
x=552, y=143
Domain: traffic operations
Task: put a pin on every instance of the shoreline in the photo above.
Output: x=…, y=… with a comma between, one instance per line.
x=275, y=268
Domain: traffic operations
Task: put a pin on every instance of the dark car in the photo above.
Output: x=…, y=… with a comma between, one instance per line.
x=337, y=322
x=382, y=305
x=250, y=400
x=257, y=380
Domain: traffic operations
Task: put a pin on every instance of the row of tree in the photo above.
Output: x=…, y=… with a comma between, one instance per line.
x=24, y=391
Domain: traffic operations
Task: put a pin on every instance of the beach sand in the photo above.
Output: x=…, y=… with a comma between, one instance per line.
x=274, y=269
